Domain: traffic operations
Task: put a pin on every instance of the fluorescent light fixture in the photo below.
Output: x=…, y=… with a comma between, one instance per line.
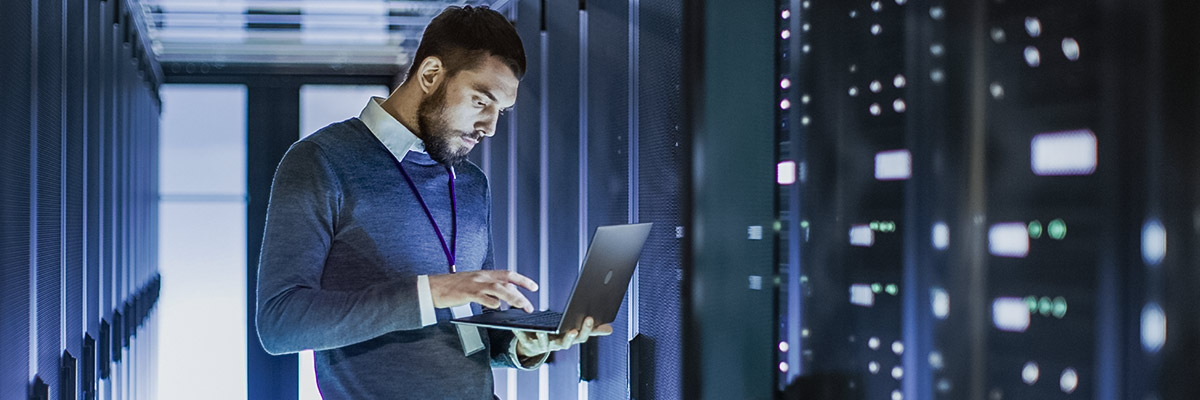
x=861, y=295
x=862, y=235
x=1008, y=239
x=1010, y=314
x=1064, y=153
x=893, y=165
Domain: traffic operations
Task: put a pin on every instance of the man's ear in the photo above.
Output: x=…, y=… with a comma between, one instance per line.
x=431, y=74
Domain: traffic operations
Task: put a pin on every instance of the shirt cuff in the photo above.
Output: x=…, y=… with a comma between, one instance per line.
x=527, y=364
x=425, y=301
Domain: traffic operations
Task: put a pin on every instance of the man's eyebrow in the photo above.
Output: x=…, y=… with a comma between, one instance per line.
x=483, y=89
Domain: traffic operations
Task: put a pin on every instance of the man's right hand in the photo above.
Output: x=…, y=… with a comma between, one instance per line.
x=484, y=287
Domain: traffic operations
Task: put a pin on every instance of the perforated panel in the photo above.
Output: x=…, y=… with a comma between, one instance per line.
x=607, y=99
x=49, y=187
x=661, y=171
x=14, y=199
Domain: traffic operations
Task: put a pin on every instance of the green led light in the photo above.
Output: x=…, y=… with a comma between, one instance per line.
x=1060, y=307
x=778, y=226
x=887, y=226
x=1032, y=302
x=875, y=287
x=874, y=225
x=1044, y=306
x=1035, y=229
x=892, y=289
x=803, y=224
x=1057, y=229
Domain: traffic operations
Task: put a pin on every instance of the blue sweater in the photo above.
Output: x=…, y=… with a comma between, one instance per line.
x=344, y=243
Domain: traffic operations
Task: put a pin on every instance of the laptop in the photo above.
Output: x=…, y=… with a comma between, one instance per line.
x=603, y=280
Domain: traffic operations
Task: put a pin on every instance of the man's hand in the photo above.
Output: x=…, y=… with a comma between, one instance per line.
x=531, y=344
x=484, y=287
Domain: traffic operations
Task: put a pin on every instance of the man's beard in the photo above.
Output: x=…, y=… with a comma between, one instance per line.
x=437, y=133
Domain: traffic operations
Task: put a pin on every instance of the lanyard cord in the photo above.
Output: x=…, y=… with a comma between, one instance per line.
x=453, y=248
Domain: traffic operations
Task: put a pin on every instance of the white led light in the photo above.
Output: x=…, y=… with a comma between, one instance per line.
x=876, y=5
x=876, y=29
x=805, y=99
x=783, y=347
x=806, y=4
x=899, y=81
x=937, y=13
x=862, y=235
x=940, y=302
x=1033, y=57
x=1070, y=49
x=785, y=104
x=1154, y=243
x=1069, y=380
x=785, y=83
x=997, y=90
x=935, y=360
x=937, y=49
x=861, y=295
x=1010, y=314
x=937, y=76
x=1154, y=327
x=1064, y=153
x=875, y=109
x=806, y=48
x=901, y=2
x=897, y=372
x=805, y=27
x=873, y=343
x=941, y=236
x=853, y=13
x=899, y=105
x=896, y=395
x=1030, y=373
x=783, y=366
x=898, y=347
x=873, y=367
x=785, y=34
x=785, y=14
x=876, y=86
x=998, y=35
x=893, y=165
x=853, y=91
x=805, y=120
x=785, y=172
x=804, y=332
x=1009, y=239
x=1033, y=26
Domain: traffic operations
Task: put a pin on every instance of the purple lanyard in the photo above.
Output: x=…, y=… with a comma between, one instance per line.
x=453, y=248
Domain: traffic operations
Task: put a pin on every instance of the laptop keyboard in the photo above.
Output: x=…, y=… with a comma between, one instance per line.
x=540, y=318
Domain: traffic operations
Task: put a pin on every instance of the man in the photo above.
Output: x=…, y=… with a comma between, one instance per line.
x=378, y=233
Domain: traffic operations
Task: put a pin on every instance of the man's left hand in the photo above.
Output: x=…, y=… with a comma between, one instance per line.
x=531, y=344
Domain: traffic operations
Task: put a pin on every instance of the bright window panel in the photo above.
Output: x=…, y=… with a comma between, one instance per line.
x=203, y=142
x=321, y=105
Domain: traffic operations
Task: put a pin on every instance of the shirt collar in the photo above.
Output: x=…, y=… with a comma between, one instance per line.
x=398, y=139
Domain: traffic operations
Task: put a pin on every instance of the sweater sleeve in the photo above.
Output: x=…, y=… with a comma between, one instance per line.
x=293, y=312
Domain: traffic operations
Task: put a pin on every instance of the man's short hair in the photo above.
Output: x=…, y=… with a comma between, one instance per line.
x=462, y=36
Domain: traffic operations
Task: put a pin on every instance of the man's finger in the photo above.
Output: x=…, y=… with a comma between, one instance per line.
x=585, y=332
x=509, y=294
x=520, y=280
x=602, y=330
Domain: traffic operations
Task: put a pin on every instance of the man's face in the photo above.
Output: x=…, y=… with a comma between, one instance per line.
x=464, y=109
